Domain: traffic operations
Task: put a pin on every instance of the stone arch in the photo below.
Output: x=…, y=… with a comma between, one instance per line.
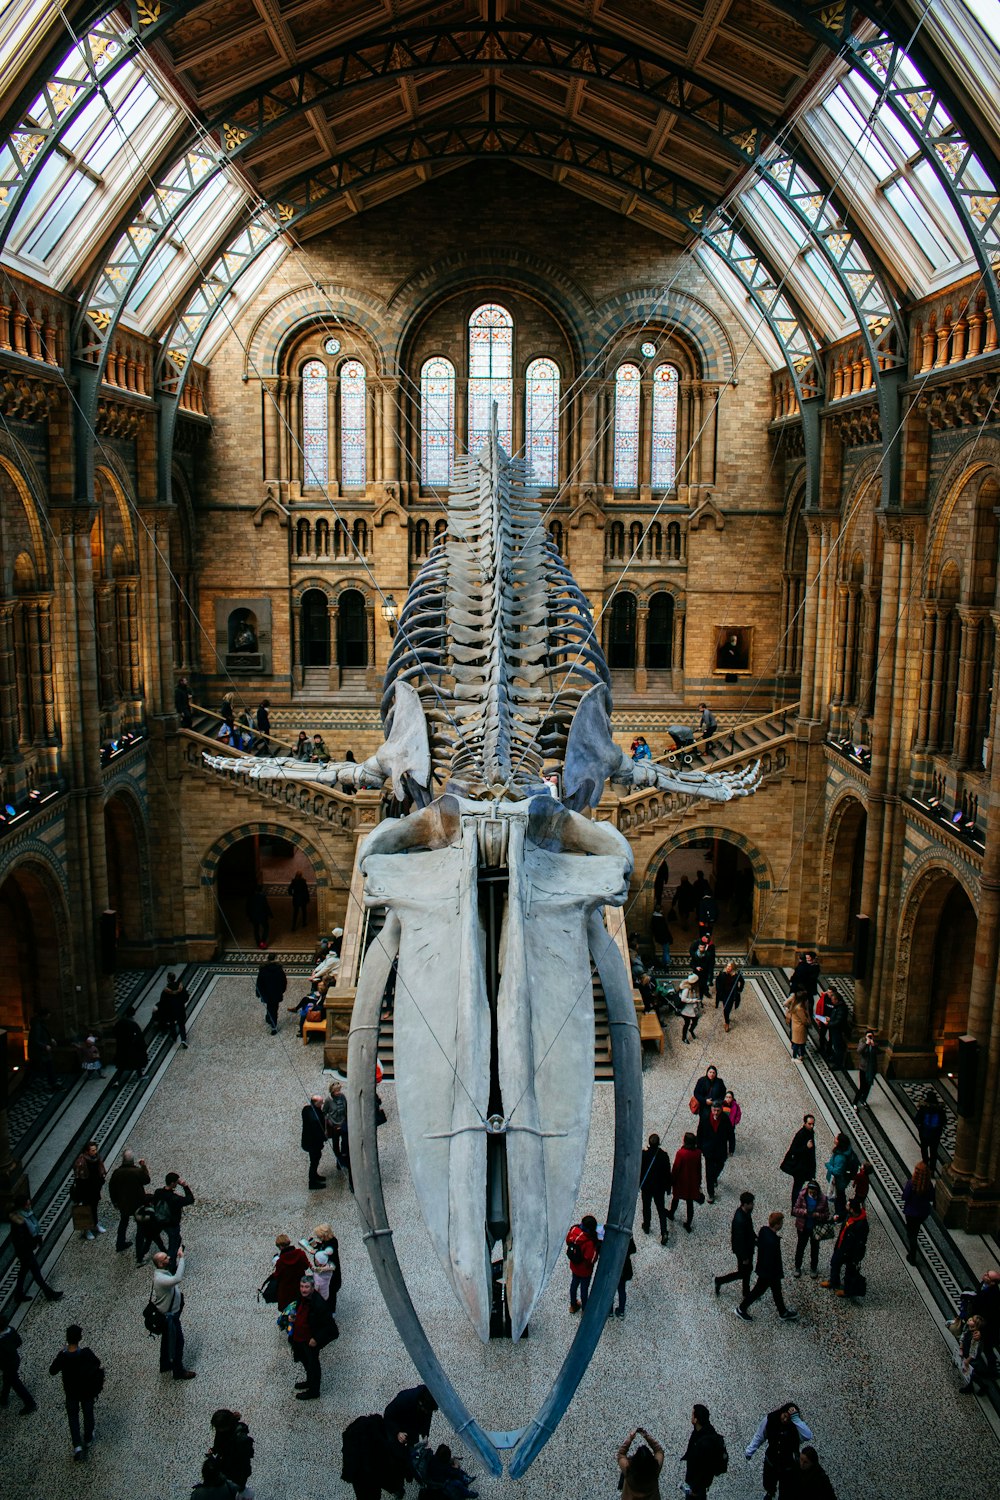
x=839, y=885
x=127, y=853
x=748, y=923
x=110, y=487
x=303, y=307
x=32, y=517
x=978, y=454
x=678, y=311
x=758, y=860
x=210, y=861
x=934, y=954
x=35, y=948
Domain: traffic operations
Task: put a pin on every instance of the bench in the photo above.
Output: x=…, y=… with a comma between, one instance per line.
x=650, y=1031
x=310, y=1027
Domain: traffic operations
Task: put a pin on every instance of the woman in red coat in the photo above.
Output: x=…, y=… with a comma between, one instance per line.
x=686, y=1178
x=290, y=1265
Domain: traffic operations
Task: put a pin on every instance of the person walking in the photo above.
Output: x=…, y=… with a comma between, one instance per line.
x=25, y=1241
x=127, y=1191
x=640, y=1473
x=262, y=719
x=703, y=965
x=811, y=1210
x=90, y=1057
x=314, y=1138
x=298, y=889
x=841, y=1170
x=624, y=1279
x=290, y=1265
x=837, y=1022
x=743, y=1239
x=770, y=1273
x=686, y=1179
x=930, y=1122
x=799, y=1161
x=797, y=1016
x=582, y=1250
x=986, y=1304
x=705, y=1456
x=780, y=1434
x=335, y=1120
x=182, y=703
x=918, y=1201
x=660, y=930
x=89, y=1174
x=710, y=1088
x=172, y=1009
x=259, y=911
x=42, y=1048
x=823, y=999
x=690, y=1007
x=313, y=1327
x=272, y=982
x=867, y=1052
x=849, y=1252
x=734, y=1114
x=808, y=1481
x=654, y=1184
x=169, y=1203
x=167, y=1297
x=83, y=1380
x=708, y=726
x=805, y=976
x=729, y=987
x=131, y=1055
x=715, y=1136
x=232, y=1448
x=10, y=1365
x=685, y=900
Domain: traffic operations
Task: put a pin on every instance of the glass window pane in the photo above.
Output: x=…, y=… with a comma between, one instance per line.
x=491, y=356
x=626, y=428
x=315, y=423
x=541, y=401
x=437, y=420
x=352, y=424
x=664, y=463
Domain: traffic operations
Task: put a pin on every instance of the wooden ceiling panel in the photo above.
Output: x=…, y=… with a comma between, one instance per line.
x=667, y=27
x=754, y=23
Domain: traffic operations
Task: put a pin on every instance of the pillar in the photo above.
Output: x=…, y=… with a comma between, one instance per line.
x=271, y=432
x=840, y=659
x=390, y=431
x=812, y=525
x=8, y=686
x=926, y=676
x=967, y=663
x=372, y=674
x=934, y=737
x=641, y=634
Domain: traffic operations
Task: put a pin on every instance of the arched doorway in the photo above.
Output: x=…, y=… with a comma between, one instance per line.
x=126, y=872
x=847, y=859
x=660, y=632
x=32, y=937
x=621, y=633
x=728, y=868
x=352, y=630
x=269, y=862
x=315, y=616
x=942, y=923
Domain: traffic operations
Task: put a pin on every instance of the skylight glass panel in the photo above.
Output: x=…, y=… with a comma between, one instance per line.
x=987, y=13
x=908, y=206
x=835, y=300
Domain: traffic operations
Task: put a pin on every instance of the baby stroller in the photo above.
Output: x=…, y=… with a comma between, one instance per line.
x=439, y=1476
x=669, y=1002
x=683, y=738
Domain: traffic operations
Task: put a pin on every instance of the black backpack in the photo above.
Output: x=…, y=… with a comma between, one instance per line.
x=154, y=1319
x=721, y=1455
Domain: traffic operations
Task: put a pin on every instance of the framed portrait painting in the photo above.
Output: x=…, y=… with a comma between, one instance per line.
x=733, y=649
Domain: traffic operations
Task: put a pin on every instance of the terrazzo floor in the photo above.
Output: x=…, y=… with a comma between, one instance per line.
x=875, y=1382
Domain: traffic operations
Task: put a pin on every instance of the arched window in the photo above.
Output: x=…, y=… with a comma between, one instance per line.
x=437, y=420
x=352, y=424
x=302, y=538
x=654, y=541
x=616, y=540
x=360, y=533
x=352, y=633
x=491, y=356
x=664, y=464
x=315, y=618
x=660, y=632
x=627, y=427
x=315, y=424
x=421, y=535
x=541, y=421
x=556, y=533
x=621, y=632
x=322, y=538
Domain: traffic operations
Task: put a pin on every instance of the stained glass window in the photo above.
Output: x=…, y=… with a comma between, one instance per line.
x=315, y=423
x=664, y=464
x=626, y=427
x=491, y=353
x=647, y=350
x=541, y=414
x=437, y=420
x=352, y=424
x=332, y=346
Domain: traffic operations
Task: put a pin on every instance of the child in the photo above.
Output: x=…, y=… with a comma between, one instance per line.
x=90, y=1057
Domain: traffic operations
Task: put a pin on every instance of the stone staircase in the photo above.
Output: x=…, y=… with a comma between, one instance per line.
x=739, y=741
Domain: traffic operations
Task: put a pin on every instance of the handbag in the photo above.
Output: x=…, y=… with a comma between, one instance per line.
x=694, y=1106
x=268, y=1292
x=83, y=1217
x=824, y=1231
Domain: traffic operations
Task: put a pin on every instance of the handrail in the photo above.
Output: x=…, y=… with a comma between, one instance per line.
x=272, y=739
x=787, y=710
x=217, y=747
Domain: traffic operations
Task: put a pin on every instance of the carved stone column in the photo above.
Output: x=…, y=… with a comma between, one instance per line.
x=813, y=530
x=270, y=432
x=390, y=430
x=641, y=633
x=333, y=615
x=951, y=666
x=937, y=677
x=372, y=677
x=840, y=660
x=926, y=675
x=106, y=653
x=587, y=458
x=8, y=685
x=851, y=646
x=967, y=663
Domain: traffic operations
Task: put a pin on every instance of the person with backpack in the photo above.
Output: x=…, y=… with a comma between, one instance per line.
x=83, y=1381
x=706, y=1456
x=841, y=1170
x=782, y=1431
x=232, y=1448
x=168, y=1300
x=582, y=1250
x=168, y=1204
x=930, y=1122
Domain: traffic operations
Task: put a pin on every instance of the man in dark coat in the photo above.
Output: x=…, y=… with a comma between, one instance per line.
x=654, y=1184
x=411, y=1412
x=375, y=1458
x=80, y=1370
x=805, y=976
x=770, y=1272
x=837, y=1023
x=702, y=1455
x=703, y=964
x=259, y=912
x=799, y=1160
x=171, y=1009
x=809, y=1480
x=10, y=1364
x=715, y=1137
x=127, y=1191
x=743, y=1238
x=130, y=1047
x=169, y=1203
x=986, y=1304
x=867, y=1050
x=313, y=1327
x=272, y=982
x=298, y=889
x=314, y=1138
x=182, y=702
x=728, y=991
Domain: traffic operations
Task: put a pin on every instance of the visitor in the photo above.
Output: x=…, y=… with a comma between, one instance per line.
x=313, y=1138
x=809, y=1481
x=705, y=1456
x=708, y=726
x=213, y=1485
x=715, y=1136
x=685, y=900
x=26, y=1241
x=272, y=982
x=812, y=1210
x=659, y=930
x=654, y=1184
x=42, y=1048
x=582, y=1250
x=290, y=1265
x=625, y=1278
x=837, y=1023
x=232, y=1448
x=691, y=1007
x=708, y=913
x=867, y=1051
x=127, y=1191
x=648, y=993
x=660, y=882
x=169, y=1203
x=89, y=1175
x=258, y=909
x=182, y=703
x=930, y=1122
x=10, y=1365
x=686, y=1179
x=171, y=1009
x=83, y=1380
x=131, y=1055
x=703, y=965
x=374, y=1458
x=313, y=1327
x=640, y=750
x=918, y=1201
x=298, y=889
x=968, y=1356
x=986, y=1304
x=733, y=1114
x=90, y=1057
x=743, y=1239
x=710, y=1088
x=770, y=1273
x=335, y=1124
x=729, y=987
x=782, y=1432
x=319, y=755
x=841, y=1170
x=168, y=1299
x=805, y=976
x=303, y=747
x=263, y=719
x=849, y=1252
x=411, y=1412
x=820, y=1021
x=640, y=1473
x=797, y=1016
